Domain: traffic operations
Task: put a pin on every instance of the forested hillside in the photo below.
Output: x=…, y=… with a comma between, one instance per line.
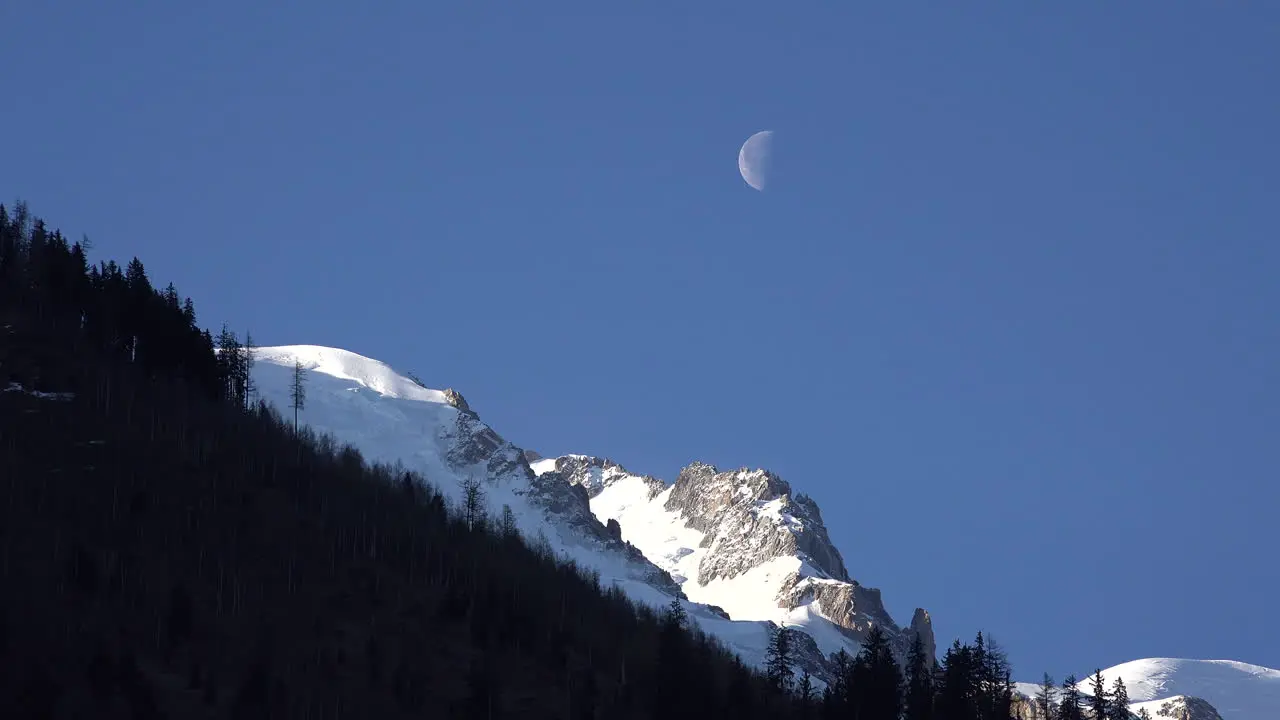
x=170, y=549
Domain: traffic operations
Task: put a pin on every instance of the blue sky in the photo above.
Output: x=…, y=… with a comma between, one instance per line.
x=1007, y=309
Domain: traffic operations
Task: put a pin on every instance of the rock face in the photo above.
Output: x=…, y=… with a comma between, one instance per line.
x=750, y=517
x=754, y=543
x=922, y=625
x=724, y=506
x=454, y=398
x=595, y=474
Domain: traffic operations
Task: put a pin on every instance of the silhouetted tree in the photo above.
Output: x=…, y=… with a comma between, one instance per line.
x=876, y=683
x=779, y=663
x=918, y=694
x=1071, y=706
x=297, y=392
x=1099, y=703
x=1046, y=698
x=1119, y=700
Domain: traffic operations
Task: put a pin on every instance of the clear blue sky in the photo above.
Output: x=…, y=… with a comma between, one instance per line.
x=1008, y=308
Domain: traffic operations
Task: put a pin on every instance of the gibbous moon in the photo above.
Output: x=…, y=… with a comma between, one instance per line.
x=753, y=159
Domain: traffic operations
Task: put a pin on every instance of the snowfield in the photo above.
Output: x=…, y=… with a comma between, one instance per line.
x=1239, y=691
x=392, y=419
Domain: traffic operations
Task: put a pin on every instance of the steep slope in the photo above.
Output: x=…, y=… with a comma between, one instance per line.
x=752, y=554
x=743, y=542
x=391, y=419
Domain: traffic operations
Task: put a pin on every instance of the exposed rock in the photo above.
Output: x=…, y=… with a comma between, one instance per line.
x=730, y=508
x=531, y=456
x=749, y=517
x=922, y=625
x=454, y=398
x=809, y=657
x=595, y=474
x=1187, y=708
x=571, y=504
x=615, y=530
x=473, y=445
x=475, y=442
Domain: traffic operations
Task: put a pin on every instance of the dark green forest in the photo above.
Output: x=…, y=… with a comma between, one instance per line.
x=169, y=549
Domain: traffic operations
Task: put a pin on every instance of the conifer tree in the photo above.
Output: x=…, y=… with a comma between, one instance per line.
x=957, y=693
x=676, y=614
x=1071, y=707
x=1046, y=699
x=249, y=387
x=1119, y=700
x=508, y=526
x=297, y=392
x=835, y=699
x=1100, y=704
x=876, y=684
x=804, y=695
x=918, y=700
x=472, y=501
x=779, y=663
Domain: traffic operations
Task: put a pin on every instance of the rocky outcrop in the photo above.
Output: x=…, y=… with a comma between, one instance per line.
x=474, y=448
x=595, y=474
x=454, y=398
x=856, y=609
x=1186, y=708
x=749, y=518
x=922, y=626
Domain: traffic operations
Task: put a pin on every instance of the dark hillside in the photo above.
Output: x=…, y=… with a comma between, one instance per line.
x=166, y=553
x=169, y=550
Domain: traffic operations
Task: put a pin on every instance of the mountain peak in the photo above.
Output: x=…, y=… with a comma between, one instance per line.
x=739, y=546
x=751, y=518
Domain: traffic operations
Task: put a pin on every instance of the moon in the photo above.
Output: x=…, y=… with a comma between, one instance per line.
x=753, y=159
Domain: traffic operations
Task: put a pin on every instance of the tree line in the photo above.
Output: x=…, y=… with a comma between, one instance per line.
x=172, y=547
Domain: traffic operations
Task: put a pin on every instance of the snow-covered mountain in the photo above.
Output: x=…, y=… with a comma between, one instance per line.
x=742, y=542
x=1236, y=690
x=739, y=549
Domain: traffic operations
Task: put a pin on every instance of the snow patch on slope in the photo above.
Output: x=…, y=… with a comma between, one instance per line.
x=392, y=419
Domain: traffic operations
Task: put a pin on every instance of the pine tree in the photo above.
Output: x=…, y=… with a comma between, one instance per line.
x=957, y=692
x=231, y=366
x=472, y=501
x=676, y=614
x=1099, y=704
x=250, y=388
x=804, y=695
x=1071, y=707
x=1144, y=714
x=297, y=392
x=835, y=699
x=779, y=664
x=508, y=526
x=918, y=703
x=1119, y=700
x=876, y=683
x=1045, y=698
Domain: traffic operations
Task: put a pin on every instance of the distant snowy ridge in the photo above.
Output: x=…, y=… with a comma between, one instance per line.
x=754, y=555
x=1237, y=690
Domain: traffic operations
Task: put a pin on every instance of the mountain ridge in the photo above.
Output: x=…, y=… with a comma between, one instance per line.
x=739, y=549
x=745, y=526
